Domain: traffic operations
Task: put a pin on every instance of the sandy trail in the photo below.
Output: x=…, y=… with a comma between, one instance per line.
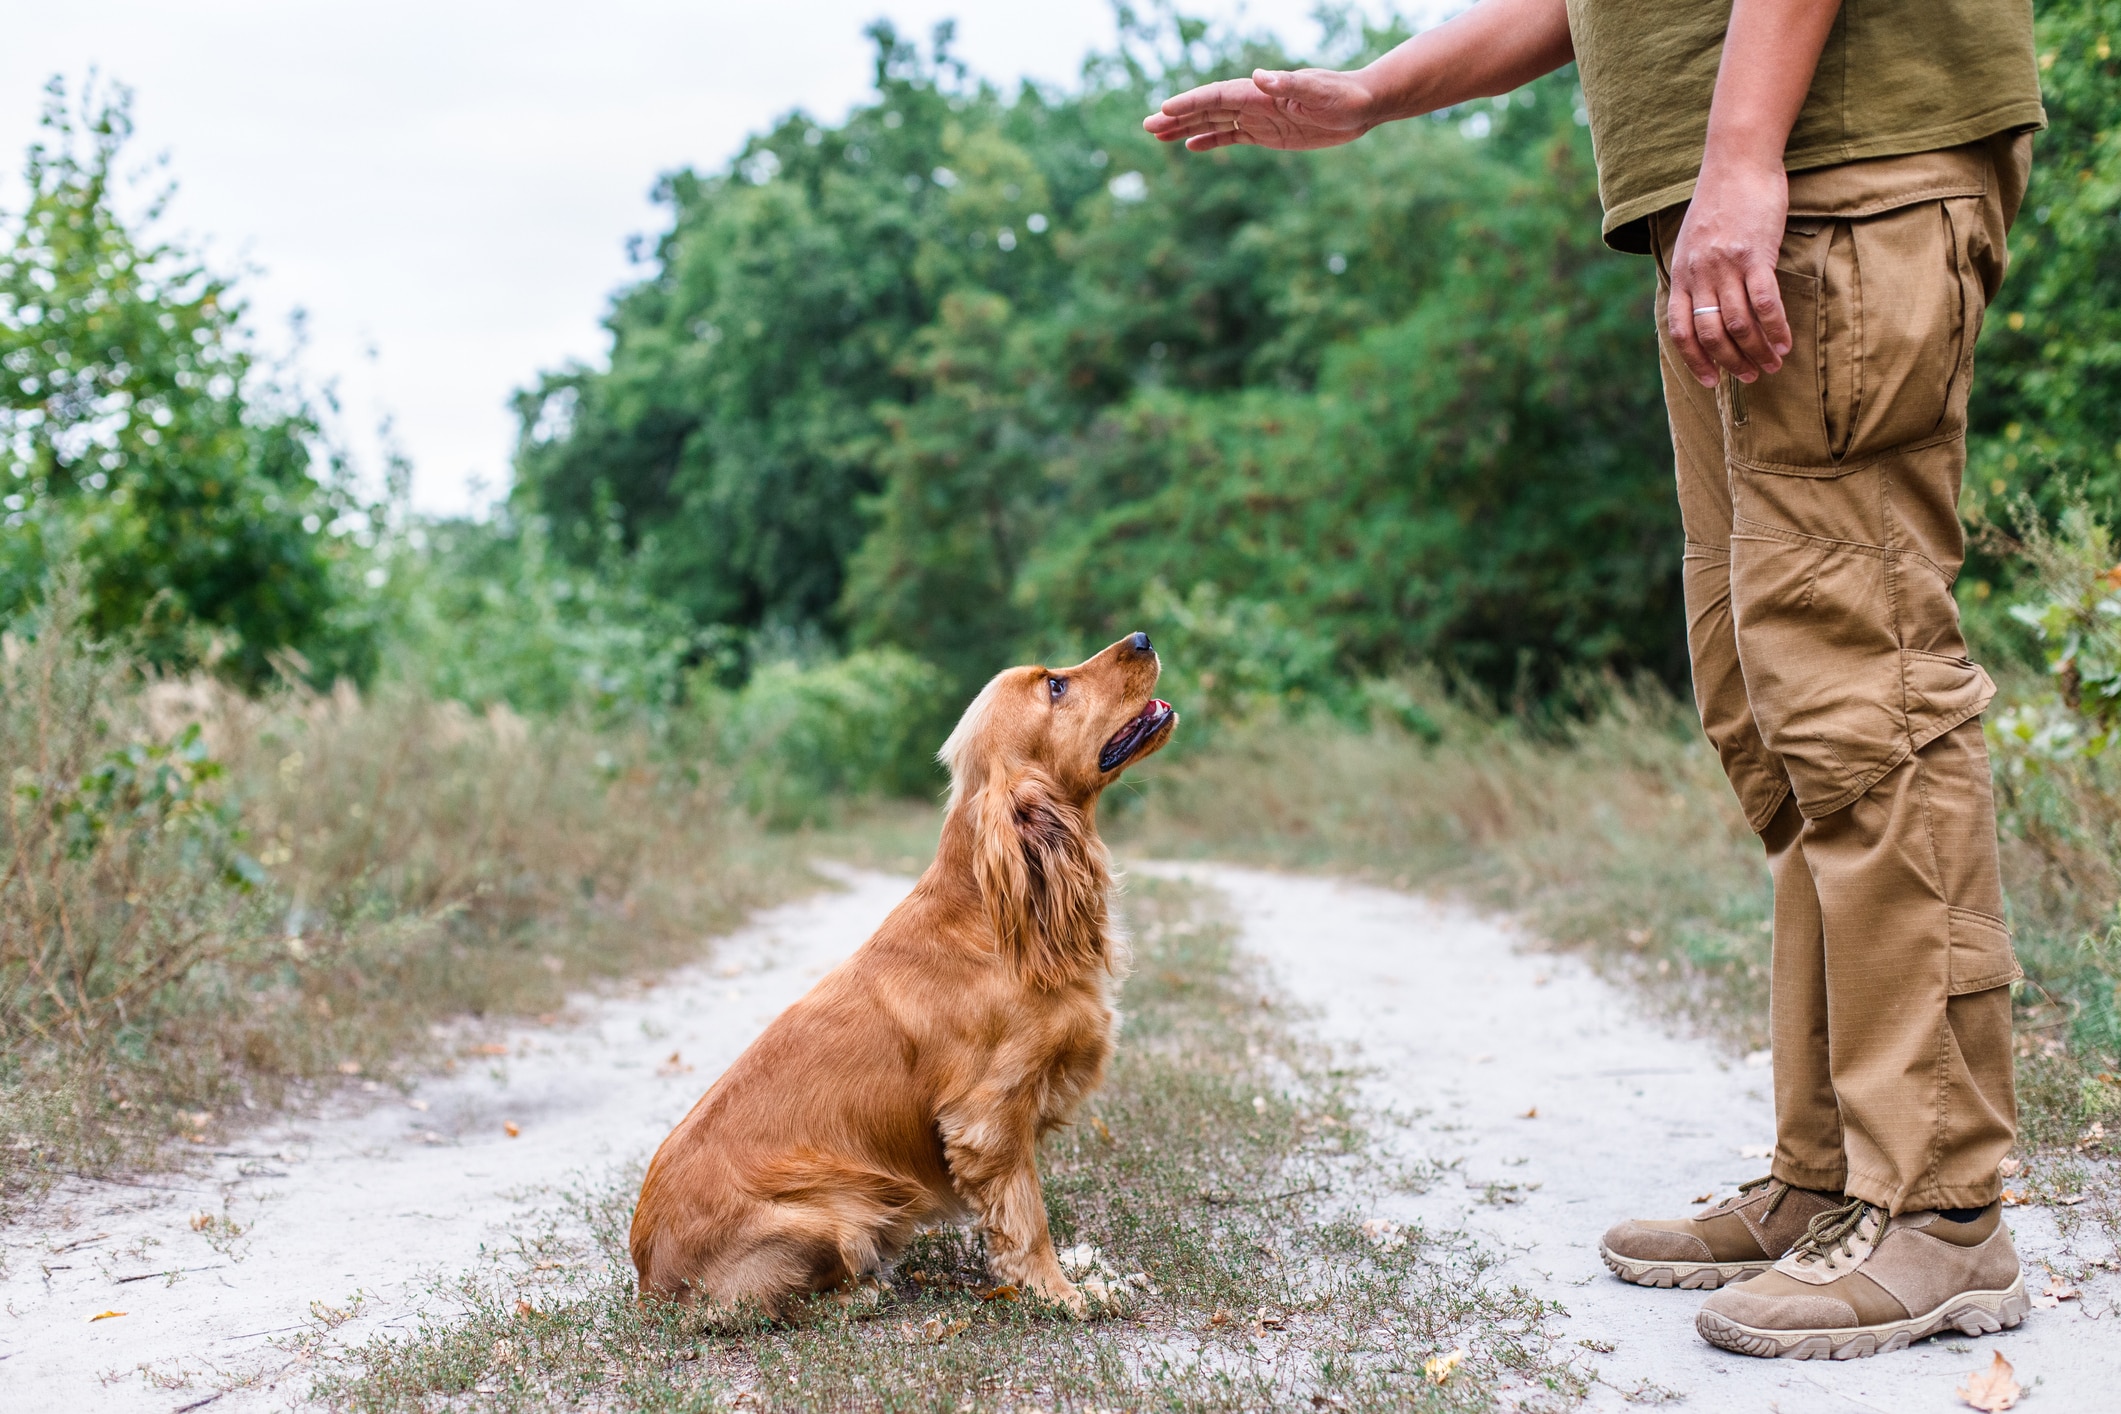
x=1467, y=1032
x=1464, y=1031
x=382, y=1199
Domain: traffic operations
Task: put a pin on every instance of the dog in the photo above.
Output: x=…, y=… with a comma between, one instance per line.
x=912, y=1085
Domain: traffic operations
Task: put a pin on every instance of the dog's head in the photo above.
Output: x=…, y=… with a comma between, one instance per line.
x=1027, y=763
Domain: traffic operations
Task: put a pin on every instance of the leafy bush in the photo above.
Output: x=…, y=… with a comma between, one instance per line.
x=486, y=613
x=798, y=738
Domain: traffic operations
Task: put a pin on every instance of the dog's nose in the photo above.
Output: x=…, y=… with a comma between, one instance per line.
x=1139, y=643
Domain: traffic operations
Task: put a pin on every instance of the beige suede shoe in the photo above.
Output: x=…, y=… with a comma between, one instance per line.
x=1857, y=1283
x=1728, y=1241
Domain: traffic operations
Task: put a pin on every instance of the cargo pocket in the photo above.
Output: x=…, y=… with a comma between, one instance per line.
x=1821, y=659
x=1981, y=955
x=1902, y=279
x=1942, y=692
x=1780, y=419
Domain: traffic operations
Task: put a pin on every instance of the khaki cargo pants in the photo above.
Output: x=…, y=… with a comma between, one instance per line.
x=1822, y=537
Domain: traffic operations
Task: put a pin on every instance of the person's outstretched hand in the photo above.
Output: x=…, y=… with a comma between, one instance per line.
x=1291, y=110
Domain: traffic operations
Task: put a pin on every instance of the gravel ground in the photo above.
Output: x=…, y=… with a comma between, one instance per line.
x=1557, y=1107
x=382, y=1198
x=1563, y=1109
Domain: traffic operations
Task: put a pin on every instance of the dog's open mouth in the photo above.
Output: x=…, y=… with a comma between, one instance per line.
x=1130, y=738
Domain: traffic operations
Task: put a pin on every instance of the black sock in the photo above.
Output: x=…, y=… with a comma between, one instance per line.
x=1961, y=1215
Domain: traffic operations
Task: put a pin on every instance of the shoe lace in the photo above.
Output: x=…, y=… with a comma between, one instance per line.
x=1831, y=1229
x=1777, y=1191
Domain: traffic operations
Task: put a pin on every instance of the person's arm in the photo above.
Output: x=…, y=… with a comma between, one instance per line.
x=1492, y=48
x=1726, y=309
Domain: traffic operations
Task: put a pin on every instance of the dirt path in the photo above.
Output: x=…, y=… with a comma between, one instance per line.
x=382, y=1200
x=1468, y=1035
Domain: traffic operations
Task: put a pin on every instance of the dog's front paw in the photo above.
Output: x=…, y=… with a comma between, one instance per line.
x=1062, y=1292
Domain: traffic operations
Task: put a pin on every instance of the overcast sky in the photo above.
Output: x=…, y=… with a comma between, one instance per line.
x=447, y=186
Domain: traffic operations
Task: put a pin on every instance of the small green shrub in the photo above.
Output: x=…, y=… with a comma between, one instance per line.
x=798, y=737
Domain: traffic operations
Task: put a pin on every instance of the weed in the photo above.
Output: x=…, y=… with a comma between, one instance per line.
x=212, y=905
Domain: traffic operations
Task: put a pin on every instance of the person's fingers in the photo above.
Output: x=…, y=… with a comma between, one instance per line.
x=1765, y=295
x=1224, y=95
x=1679, y=327
x=1213, y=120
x=1710, y=315
x=1749, y=355
x=1208, y=142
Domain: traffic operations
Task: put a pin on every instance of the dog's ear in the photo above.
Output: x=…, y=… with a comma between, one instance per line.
x=1044, y=875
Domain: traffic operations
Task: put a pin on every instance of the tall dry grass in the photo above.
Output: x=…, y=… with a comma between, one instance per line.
x=211, y=903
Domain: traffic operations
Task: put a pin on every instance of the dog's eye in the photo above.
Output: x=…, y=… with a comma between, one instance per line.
x=1057, y=688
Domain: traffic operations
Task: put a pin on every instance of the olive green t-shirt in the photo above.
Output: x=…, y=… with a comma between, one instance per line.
x=1896, y=76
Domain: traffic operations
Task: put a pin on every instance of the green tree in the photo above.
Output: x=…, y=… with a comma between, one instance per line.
x=982, y=375
x=139, y=435
x=2046, y=416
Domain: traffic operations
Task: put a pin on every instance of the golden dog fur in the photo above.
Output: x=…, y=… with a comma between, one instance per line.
x=911, y=1086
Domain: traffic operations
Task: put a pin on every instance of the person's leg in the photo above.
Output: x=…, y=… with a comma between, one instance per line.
x=1808, y=1146
x=1742, y=1235
x=1845, y=473
x=1845, y=541
x=1920, y=1033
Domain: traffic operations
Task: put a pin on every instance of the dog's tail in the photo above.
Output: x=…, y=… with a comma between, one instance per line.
x=809, y=1222
x=860, y=1214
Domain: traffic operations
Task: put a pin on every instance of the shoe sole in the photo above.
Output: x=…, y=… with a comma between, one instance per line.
x=1970, y=1313
x=1687, y=1276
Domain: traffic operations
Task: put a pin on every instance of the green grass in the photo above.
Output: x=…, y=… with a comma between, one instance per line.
x=1223, y=1160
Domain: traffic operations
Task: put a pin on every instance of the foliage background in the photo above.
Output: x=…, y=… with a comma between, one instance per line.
x=1370, y=440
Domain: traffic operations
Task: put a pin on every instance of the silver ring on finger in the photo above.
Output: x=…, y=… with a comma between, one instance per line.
x=1701, y=309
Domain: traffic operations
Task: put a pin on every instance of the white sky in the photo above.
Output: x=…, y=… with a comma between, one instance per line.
x=447, y=186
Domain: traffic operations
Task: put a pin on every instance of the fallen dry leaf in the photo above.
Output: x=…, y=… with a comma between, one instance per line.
x=1104, y=1131
x=103, y=1316
x=1220, y=1318
x=349, y=1067
x=512, y=1129
x=2009, y=1167
x=1438, y=1368
x=2014, y=1198
x=1268, y=1321
x=1992, y=1389
x=1004, y=1292
x=491, y=1048
x=526, y=1311
x=1532, y=1113
x=2061, y=1290
x=937, y=1329
x=1706, y=1198
x=674, y=1066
